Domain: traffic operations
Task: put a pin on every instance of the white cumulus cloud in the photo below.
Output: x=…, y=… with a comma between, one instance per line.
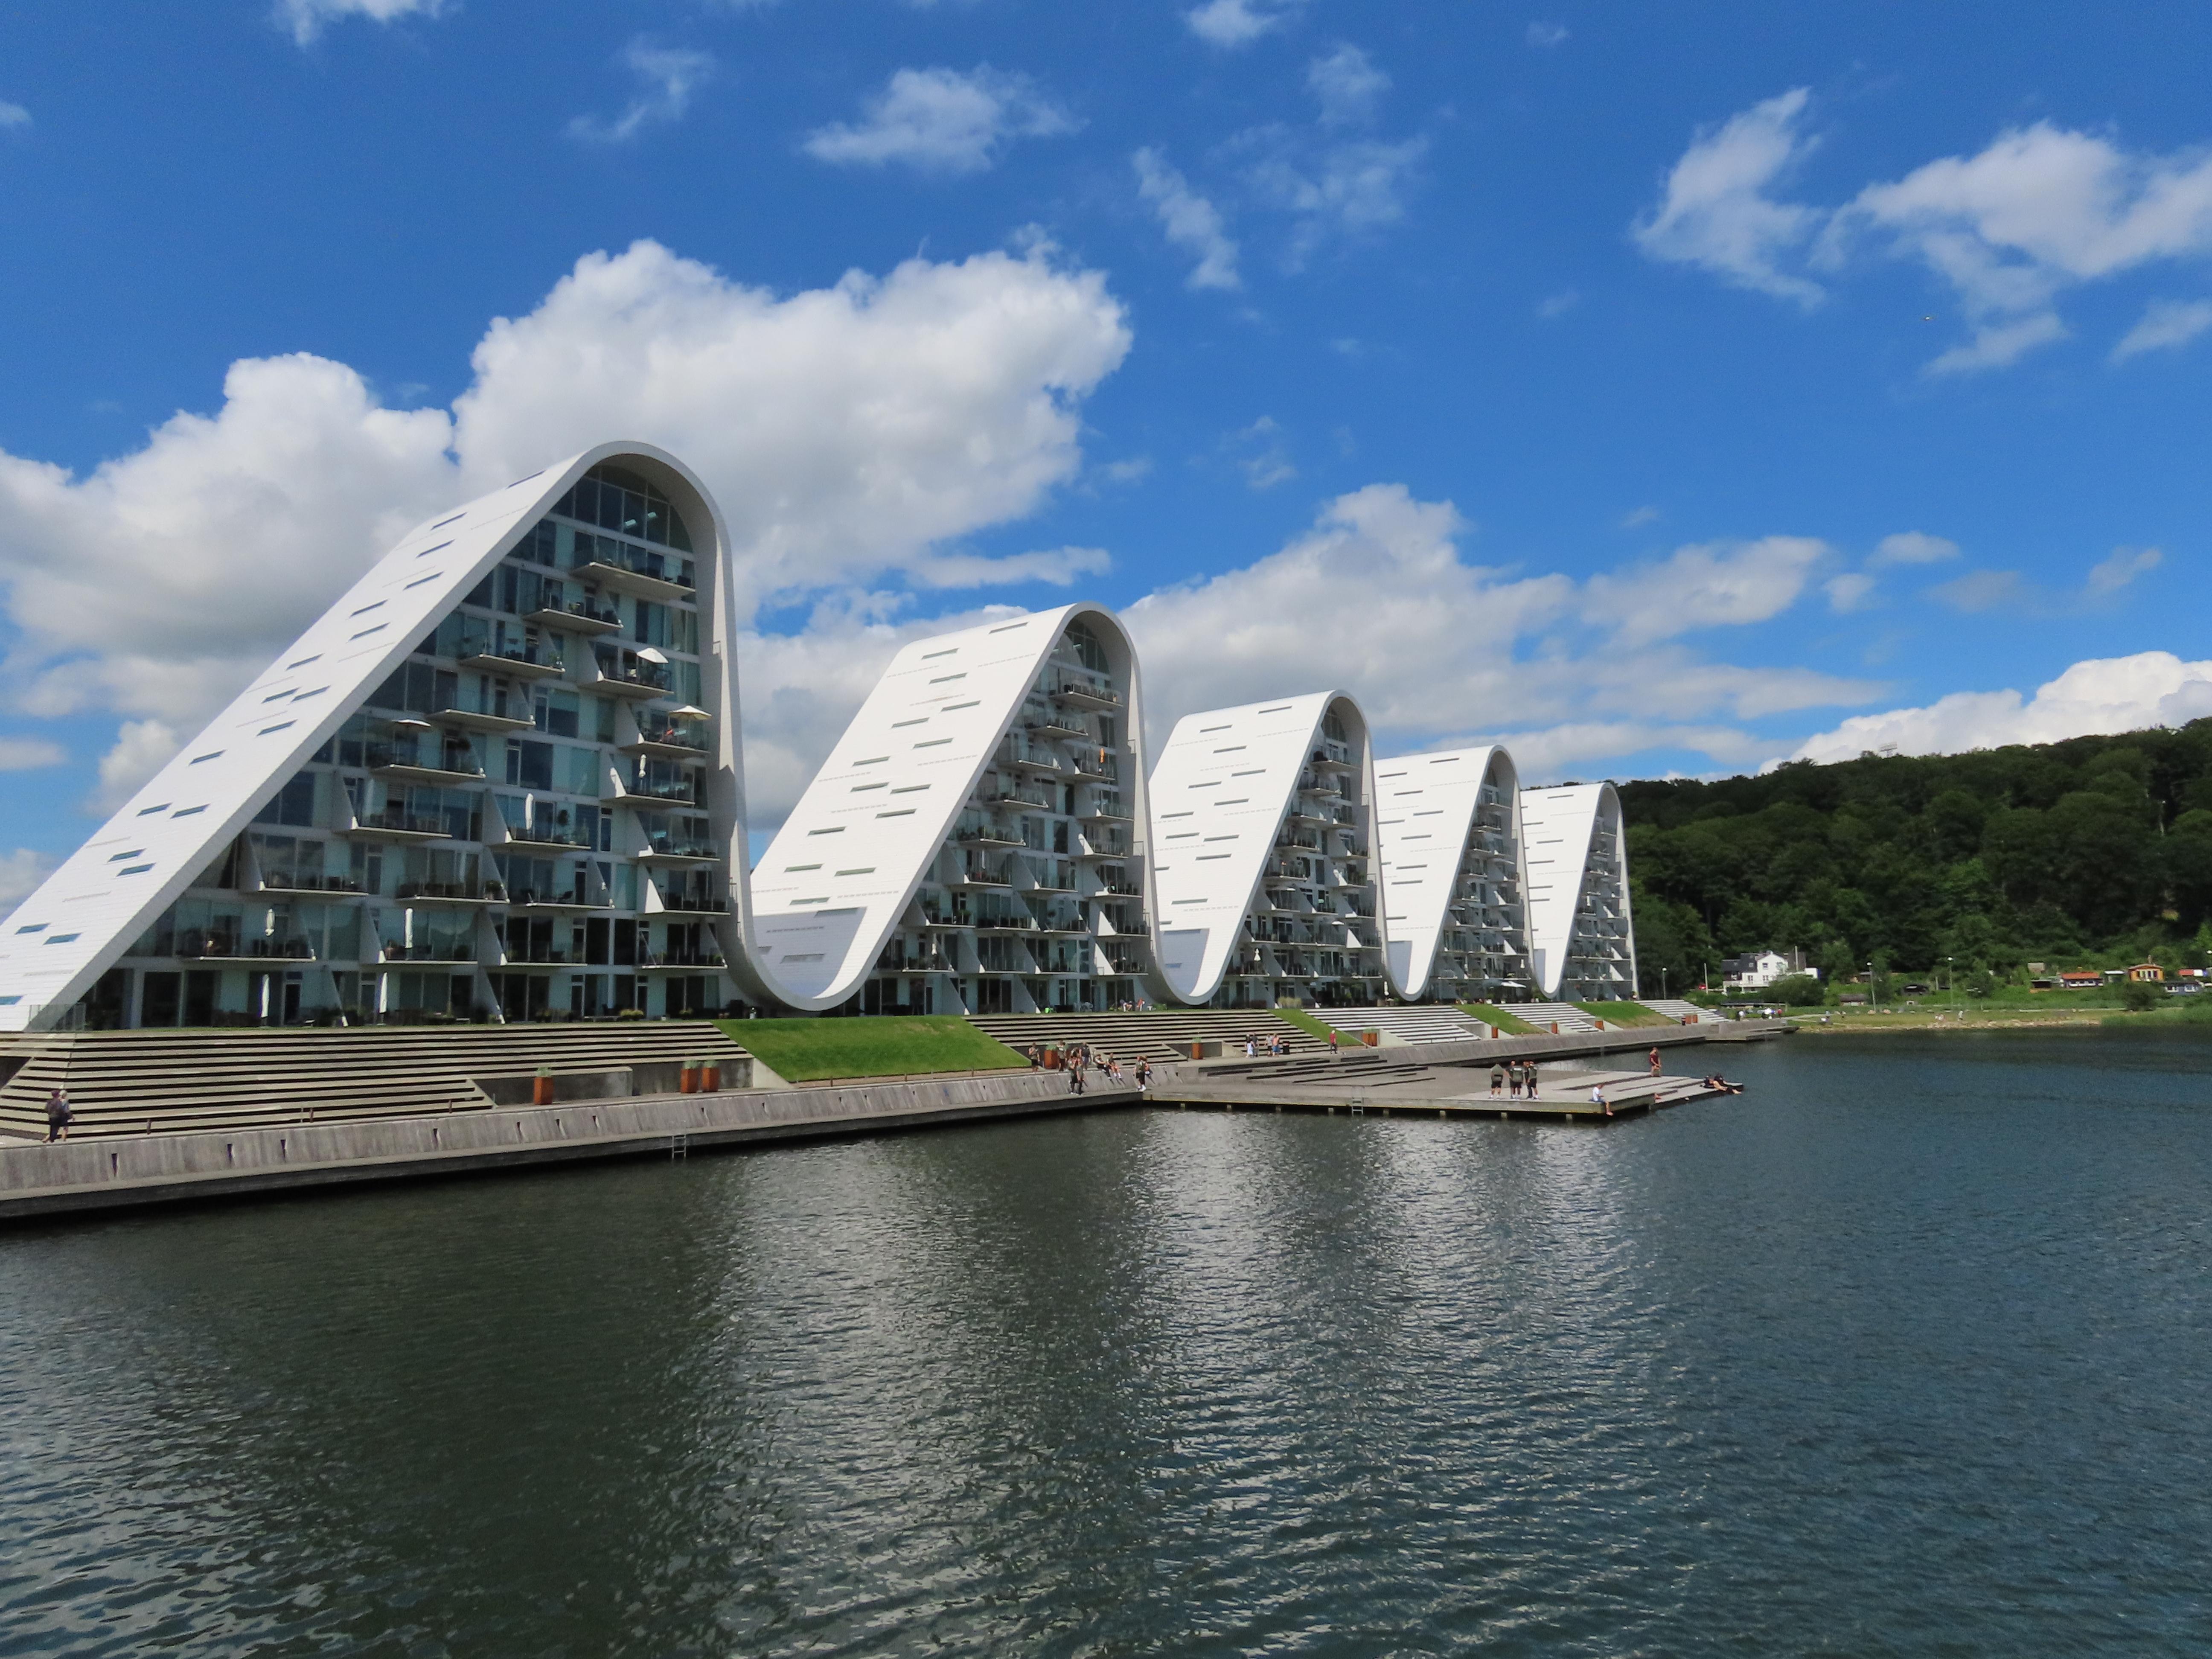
x=2120, y=567
x=1348, y=85
x=1716, y=212
x=13, y=115
x=1709, y=584
x=848, y=431
x=1238, y=22
x=1191, y=221
x=2165, y=325
x=2101, y=695
x=1914, y=547
x=1439, y=649
x=306, y=19
x=2009, y=229
x=942, y=120
x=669, y=75
x=21, y=872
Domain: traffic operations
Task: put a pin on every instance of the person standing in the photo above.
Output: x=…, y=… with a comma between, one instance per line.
x=1332, y=1040
x=1037, y=1057
x=1655, y=1059
x=59, y=1116
x=1513, y=1079
x=1144, y=1075
x=1496, y=1080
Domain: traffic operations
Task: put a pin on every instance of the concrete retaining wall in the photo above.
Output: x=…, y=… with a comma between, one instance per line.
x=40, y=1180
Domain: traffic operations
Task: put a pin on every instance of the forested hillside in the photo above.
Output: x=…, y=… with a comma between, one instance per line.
x=2094, y=849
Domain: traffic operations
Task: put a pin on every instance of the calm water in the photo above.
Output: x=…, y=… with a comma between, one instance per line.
x=1907, y=1351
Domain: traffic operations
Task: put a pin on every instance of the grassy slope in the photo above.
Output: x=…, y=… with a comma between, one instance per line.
x=1490, y=1015
x=1624, y=1013
x=1302, y=1020
x=802, y=1050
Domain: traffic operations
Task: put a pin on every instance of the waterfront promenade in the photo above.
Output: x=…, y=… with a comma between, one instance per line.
x=118, y=1171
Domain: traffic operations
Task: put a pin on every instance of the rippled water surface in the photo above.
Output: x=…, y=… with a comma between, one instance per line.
x=1907, y=1351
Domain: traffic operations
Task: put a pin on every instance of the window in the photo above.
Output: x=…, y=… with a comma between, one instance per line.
x=530, y=764
x=295, y=804
x=558, y=713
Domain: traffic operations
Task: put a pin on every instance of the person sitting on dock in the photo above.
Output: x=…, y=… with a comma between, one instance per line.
x=1598, y=1099
x=1496, y=1080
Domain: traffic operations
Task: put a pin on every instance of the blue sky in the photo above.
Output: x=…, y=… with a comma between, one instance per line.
x=1659, y=395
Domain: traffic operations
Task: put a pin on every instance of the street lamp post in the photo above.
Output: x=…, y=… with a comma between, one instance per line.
x=1874, y=991
x=1951, y=967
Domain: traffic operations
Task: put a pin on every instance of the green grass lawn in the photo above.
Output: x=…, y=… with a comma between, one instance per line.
x=805, y=1050
x=1624, y=1013
x=1304, y=1021
x=1490, y=1015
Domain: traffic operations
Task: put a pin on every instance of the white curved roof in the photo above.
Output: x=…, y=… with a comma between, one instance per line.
x=1557, y=828
x=1220, y=791
x=835, y=881
x=1425, y=808
x=94, y=907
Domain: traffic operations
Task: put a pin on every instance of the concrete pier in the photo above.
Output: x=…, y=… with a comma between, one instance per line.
x=37, y=1180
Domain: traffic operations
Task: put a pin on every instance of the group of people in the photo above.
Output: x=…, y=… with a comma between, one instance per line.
x=1519, y=1076
x=1082, y=1057
x=1274, y=1043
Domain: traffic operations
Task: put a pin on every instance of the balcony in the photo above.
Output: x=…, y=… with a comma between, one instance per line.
x=221, y=944
x=500, y=717
x=676, y=740
x=982, y=875
x=1056, y=731
x=1024, y=760
x=391, y=824
x=520, y=662
x=1076, y=694
x=634, y=570
x=665, y=850
x=285, y=882
x=644, y=682
x=681, y=959
x=577, y=897
x=452, y=892
x=448, y=951
x=682, y=791
x=1121, y=889
x=986, y=836
x=692, y=901
x=404, y=762
x=538, y=834
x=577, y=618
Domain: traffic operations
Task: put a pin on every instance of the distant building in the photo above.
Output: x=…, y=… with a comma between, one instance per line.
x=2081, y=979
x=1760, y=968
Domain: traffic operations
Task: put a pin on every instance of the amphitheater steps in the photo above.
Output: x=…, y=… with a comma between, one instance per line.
x=1412, y=1024
x=1157, y=1035
x=120, y=1082
x=1682, y=1013
x=1563, y=1017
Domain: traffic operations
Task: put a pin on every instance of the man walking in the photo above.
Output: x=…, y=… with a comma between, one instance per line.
x=59, y=1116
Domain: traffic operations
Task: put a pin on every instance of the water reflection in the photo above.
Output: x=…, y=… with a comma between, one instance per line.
x=1894, y=1354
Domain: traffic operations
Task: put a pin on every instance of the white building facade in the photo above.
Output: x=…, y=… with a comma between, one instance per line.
x=1263, y=858
x=1452, y=877
x=498, y=779
x=974, y=842
x=1582, y=933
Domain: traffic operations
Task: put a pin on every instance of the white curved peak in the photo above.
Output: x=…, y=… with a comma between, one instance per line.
x=1556, y=826
x=89, y=913
x=837, y=879
x=1425, y=808
x=1218, y=791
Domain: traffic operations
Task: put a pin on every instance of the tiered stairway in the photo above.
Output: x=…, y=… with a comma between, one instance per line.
x=1410, y=1025
x=155, y=1081
x=1682, y=1012
x=1563, y=1017
x=1156, y=1034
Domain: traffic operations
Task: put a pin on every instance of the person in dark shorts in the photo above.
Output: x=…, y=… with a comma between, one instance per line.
x=1496, y=1081
x=59, y=1116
